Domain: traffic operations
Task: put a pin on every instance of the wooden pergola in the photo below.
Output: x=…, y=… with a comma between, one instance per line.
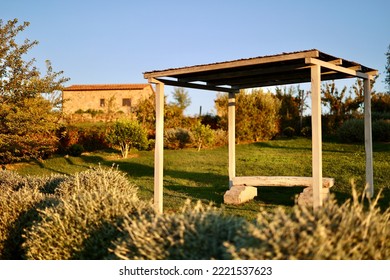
x=288, y=68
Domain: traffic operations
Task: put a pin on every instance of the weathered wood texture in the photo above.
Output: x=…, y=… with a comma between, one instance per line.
x=368, y=138
x=232, y=136
x=159, y=149
x=280, y=181
x=316, y=134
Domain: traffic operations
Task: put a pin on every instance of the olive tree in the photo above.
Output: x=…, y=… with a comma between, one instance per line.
x=127, y=134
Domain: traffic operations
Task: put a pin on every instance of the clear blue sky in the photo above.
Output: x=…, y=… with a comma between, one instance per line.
x=116, y=41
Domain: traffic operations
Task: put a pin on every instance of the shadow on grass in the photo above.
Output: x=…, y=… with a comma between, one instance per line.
x=284, y=196
x=270, y=146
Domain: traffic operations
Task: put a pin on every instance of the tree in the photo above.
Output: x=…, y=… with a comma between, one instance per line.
x=27, y=118
x=127, y=134
x=257, y=114
x=388, y=69
x=301, y=98
x=182, y=100
x=203, y=135
x=290, y=107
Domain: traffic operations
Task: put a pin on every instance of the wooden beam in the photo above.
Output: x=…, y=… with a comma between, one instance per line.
x=337, y=61
x=159, y=148
x=316, y=135
x=232, y=136
x=193, y=85
x=368, y=139
x=337, y=68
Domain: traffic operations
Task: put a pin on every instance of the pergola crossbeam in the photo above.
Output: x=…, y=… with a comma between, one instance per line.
x=194, y=85
x=338, y=69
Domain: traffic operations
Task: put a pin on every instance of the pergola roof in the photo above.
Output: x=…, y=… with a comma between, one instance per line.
x=280, y=69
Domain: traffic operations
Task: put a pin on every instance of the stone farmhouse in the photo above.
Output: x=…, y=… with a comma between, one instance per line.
x=104, y=98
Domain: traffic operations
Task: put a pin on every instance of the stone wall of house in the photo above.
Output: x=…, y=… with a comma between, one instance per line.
x=105, y=100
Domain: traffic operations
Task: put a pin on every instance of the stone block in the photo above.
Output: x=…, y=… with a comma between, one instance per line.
x=239, y=194
x=305, y=198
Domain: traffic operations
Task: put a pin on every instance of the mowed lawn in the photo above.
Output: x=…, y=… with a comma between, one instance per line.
x=203, y=175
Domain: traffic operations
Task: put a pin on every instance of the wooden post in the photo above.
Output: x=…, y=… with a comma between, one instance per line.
x=232, y=136
x=159, y=148
x=368, y=138
x=316, y=135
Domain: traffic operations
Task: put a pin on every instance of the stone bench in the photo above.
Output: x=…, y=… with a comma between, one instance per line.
x=244, y=188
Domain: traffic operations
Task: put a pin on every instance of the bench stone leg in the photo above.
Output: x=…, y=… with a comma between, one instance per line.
x=239, y=194
x=305, y=198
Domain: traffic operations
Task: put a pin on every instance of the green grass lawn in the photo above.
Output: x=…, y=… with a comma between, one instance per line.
x=203, y=175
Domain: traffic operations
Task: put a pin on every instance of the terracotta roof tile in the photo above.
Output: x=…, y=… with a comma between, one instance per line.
x=105, y=87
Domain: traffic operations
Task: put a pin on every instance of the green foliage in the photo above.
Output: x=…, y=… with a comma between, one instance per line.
x=21, y=198
x=176, y=138
x=289, y=107
x=127, y=134
x=82, y=225
x=181, y=98
x=220, y=138
x=203, y=135
x=381, y=130
x=352, y=131
x=346, y=232
x=146, y=113
x=343, y=104
x=27, y=121
x=289, y=132
x=76, y=150
x=380, y=103
x=257, y=114
x=27, y=130
x=306, y=131
x=387, y=70
x=92, y=138
x=195, y=233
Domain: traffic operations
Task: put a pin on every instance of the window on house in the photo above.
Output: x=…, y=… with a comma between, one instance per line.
x=126, y=102
x=102, y=102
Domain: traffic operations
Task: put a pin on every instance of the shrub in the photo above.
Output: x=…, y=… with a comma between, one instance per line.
x=220, y=137
x=212, y=120
x=306, y=132
x=176, y=138
x=351, y=131
x=91, y=138
x=381, y=130
x=203, y=135
x=18, y=211
x=349, y=231
x=21, y=198
x=128, y=134
x=289, y=132
x=257, y=114
x=83, y=224
x=76, y=150
x=10, y=180
x=197, y=232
